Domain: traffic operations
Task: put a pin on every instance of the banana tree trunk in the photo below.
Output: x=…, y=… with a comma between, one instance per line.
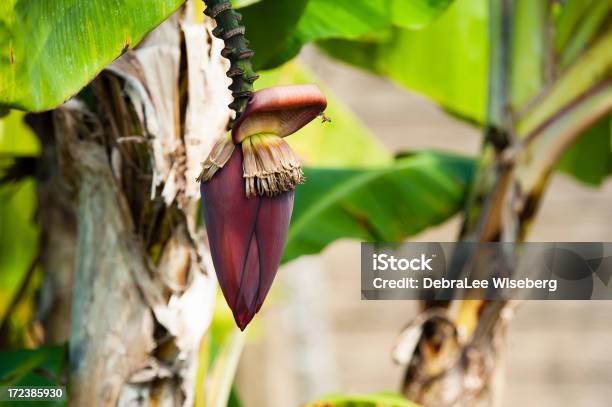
x=454, y=351
x=129, y=278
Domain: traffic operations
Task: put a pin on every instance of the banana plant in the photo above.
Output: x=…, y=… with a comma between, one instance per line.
x=127, y=100
x=548, y=107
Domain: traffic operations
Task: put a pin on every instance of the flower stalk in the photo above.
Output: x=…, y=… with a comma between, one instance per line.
x=231, y=31
x=247, y=192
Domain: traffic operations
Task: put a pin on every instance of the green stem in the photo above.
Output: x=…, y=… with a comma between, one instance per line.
x=224, y=370
x=499, y=118
x=236, y=50
x=592, y=67
x=585, y=32
x=484, y=213
x=482, y=210
x=542, y=149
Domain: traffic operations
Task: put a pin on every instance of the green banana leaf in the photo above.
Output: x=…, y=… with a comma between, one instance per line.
x=40, y=367
x=528, y=51
x=16, y=138
x=32, y=367
x=385, y=204
x=380, y=399
x=568, y=19
x=589, y=160
x=447, y=60
x=353, y=19
x=51, y=49
x=268, y=23
x=54, y=48
x=18, y=238
x=18, y=232
x=577, y=24
x=416, y=14
x=243, y=3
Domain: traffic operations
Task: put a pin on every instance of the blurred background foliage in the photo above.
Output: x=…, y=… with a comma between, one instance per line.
x=369, y=400
x=438, y=48
x=319, y=145
x=18, y=231
x=33, y=367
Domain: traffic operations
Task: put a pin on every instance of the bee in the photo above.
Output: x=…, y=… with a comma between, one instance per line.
x=325, y=118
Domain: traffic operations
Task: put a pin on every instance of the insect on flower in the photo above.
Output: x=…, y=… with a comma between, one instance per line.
x=247, y=188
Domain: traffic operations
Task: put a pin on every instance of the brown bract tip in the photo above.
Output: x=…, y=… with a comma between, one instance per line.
x=279, y=110
x=218, y=157
x=269, y=166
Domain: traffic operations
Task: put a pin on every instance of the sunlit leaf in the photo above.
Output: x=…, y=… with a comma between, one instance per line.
x=590, y=159
x=416, y=14
x=243, y=3
x=334, y=19
x=447, y=60
x=18, y=238
x=568, y=19
x=353, y=19
x=268, y=24
x=381, y=399
x=385, y=205
x=528, y=50
x=52, y=48
x=18, y=232
x=577, y=24
x=221, y=376
x=16, y=138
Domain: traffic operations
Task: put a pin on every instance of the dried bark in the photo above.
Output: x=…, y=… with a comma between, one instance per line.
x=453, y=356
x=119, y=211
x=453, y=352
x=112, y=326
x=443, y=368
